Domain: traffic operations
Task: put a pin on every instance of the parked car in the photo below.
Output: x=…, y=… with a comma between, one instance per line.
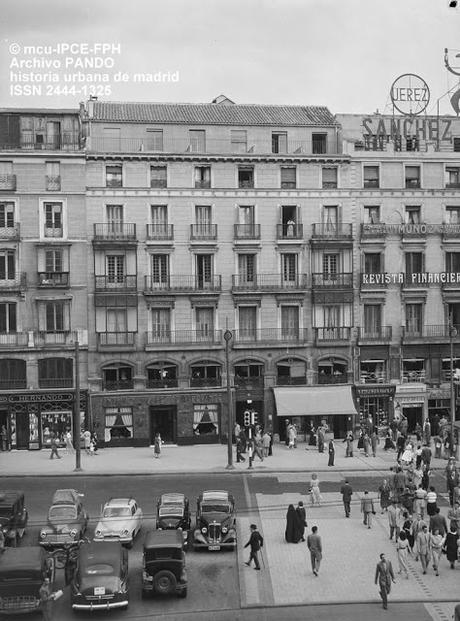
x=13, y=516
x=163, y=562
x=121, y=520
x=67, y=520
x=22, y=572
x=215, y=521
x=173, y=513
x=100, y=580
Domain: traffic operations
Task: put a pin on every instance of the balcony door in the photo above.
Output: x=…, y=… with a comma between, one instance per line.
x=372, y=320
x=203, y=270
x=330, y=219
x=115, y=219
x=204, y=318
x=115, y=270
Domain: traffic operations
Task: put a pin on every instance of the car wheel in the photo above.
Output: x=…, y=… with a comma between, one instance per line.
x=129, y=545
x=164, y=582
x=183, y=593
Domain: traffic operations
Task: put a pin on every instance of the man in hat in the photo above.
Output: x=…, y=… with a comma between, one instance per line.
x=256, y=541
x=452, y=478
x=385, y=576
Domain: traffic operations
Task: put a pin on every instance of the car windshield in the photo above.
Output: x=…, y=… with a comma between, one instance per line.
x=115, y=512
x=215, y=508
x=162, y=554
x=101, y=569
x=62, y=512
x=172, y=510
x=6, y=511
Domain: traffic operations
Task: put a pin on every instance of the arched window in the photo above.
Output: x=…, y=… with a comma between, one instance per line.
x=162, y=375
x=291, y=372
x=249, y=372
x=205, y=373
x=117, y=376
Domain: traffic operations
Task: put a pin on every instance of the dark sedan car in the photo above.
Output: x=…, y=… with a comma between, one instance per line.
x=13, y=516
x=173, y=513
x=215, y=521
x=67, y=520
x=163, y=571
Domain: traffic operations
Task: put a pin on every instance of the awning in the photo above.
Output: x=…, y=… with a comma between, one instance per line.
x=322, y=400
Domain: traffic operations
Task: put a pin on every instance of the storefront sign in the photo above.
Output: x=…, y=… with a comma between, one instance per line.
x=376, y=391
x=426, y=128
x=409, y=399
x=415, y=278
x=31, y=397
x=410, y=229
x=410, y=94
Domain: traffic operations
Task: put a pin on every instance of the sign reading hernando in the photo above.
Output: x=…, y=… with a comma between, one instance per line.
x=411, y=278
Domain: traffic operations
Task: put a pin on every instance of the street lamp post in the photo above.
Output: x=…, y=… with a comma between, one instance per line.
x=76, y=410
x=227, y=338
x=452, y=333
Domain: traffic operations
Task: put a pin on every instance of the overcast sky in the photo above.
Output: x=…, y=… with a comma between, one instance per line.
x=344, y=54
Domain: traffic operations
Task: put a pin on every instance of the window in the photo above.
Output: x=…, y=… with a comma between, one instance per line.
x=453, y=262
x=452, y=215
x=205, y=373
x=245, y=176
x=452, y=177
x=319, y=143
x=371, y=177
x=54, y=316
x=7, y=215
x=53, y=219
x=115, y=268
x=203, y=264
x=330, y=265
x=414, y=319
x=329, y=177
x=118, y=422
x=162, y=375
x=288, y=177
x=158, y=177
x=114, y=215
x=13, y=374
x=372, y=320
x=161, y=325
x=249, y=372
x=246, y=218
x=412, y=175
x=7, y=265
x=371, y=214
x=330, y=218
x=202, y=176
x=204, y=320
x=154, y=140
x=331, y=318
x=290, y=322
x=159, y=219
x=117, y=320
x=7, y=179
x=160, y=269
x=8, y=314
x=246, y=268
x=289, y=226
x=457, y=144
x=289, y=268
x=114, y=176
x=279, y=142
x=53, y=176
x=238, y=140
x=247, y=323
x=197, y=140
x=372, y=263
x=54, y=260
x=203, y=226
x=413, y=214
x=55, y=373
x=414, y=263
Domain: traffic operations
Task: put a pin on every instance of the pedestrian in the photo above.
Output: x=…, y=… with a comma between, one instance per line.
x=384, y=576
x=256, y=542
x=320, y=434
x=292, y=533
x=394, y=519
x=407, y=500
x=457, y=612
x=54, y=447
x=452, y=479
x=431, y=500
x=420, y=502
x=384, y=495
x=374, y=442
x=389, y=444
x=407, y=529
x=436, y=544
x=400, y=445
x=402, y=550
x=347, y=492
x=157, y=445
x=302, y=519
x=427, y=432
x=95, y=441
x=46, y=600
x=454, y=516
x=425, y=478
x=257, y=446
x=437, y=446
x=349, y=448
x=399, y=482
x=291, y=437
x=426, y=456
x=2, y=541
x=331, y=451
x=87, y=440
x=316, y=550
x=450, y=547
x=3, y=438
x=266, y=443
x=315, y=493
x=367, y=509
x=270, y=448
x=239, y=452
x=422, y=546
x=68, y=442
x=366, y=445
x=244, y=440
x=418, y=431
x=236, y=431
x=438, y=522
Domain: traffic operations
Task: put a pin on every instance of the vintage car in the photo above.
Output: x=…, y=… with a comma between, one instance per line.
x=22, y=572
x=13, y=516
x=100, y=580
x=173, y=513
x=163, y=564
x=215, y=521
x=121, y=520
x=67, y=520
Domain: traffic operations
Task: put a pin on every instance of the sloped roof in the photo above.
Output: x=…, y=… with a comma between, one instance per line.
x=210, y=114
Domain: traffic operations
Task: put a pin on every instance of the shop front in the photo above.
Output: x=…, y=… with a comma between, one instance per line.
x=411, y=402
x=33, y=418
x=375, y=406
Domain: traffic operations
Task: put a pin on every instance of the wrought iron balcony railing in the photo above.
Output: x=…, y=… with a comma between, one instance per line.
x=247, y=231
x=381, y=333
x=10, y=232
x=339, y=333
x=115, y=231
x=293, y=336
x=431, y=332
x=182, y=283
x=8, y=182
x=53, y=182
x=53, y=279
x=165, y=336
x=332, y=231
x=160, y=231
x=203, y=231
x=114, y=339
x=257, y=282
x=332, y=281
x=289, y=231
x=115, y=282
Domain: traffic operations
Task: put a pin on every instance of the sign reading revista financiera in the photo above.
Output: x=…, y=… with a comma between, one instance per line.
x=415, y=278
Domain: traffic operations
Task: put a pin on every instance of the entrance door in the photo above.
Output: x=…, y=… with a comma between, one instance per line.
x=414, y=415
x=22, y=430
x=163, y=421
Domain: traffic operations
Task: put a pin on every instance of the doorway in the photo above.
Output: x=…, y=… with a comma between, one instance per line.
x=163, y=420
x=414, y=415
x=22, y=430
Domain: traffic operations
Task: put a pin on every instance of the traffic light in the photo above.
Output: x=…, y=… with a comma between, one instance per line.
x=247, y=418
x=255, y=418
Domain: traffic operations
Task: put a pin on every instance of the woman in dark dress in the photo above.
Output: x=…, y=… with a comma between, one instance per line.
x=450, y=547
x=331, y=451
x=293, y=531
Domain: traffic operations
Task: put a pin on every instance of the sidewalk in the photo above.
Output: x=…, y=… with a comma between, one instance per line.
x=192, y=459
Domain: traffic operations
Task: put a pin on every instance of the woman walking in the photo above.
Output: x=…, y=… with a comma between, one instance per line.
x=157, y=446
x=314, y=490
x=331, y=451
x=436, y=544
x=385, y=495
x=431, y=501
x=402, y=549
x=450, y=547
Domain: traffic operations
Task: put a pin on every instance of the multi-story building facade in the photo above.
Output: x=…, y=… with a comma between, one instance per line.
x=326, y=246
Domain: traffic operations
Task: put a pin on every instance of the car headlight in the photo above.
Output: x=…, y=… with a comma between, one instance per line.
x=43, y=534
x=124, y=532
x=224, y=530
x=204, y=530
x=73, y=532
x=179, y=528
x=98, y=533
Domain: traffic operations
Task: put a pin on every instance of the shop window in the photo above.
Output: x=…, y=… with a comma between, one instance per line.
x=55, y=424
x=118, y=424
x=13, y=374
x=205, y=374
x=205, y=420
x=55, y=373
x=118, y=377
x=376, y=409
x=162, y=375
x=372, y=372
x=413, y=370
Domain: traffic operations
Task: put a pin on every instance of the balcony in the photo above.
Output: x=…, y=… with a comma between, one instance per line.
x=433, y=333
x=114, y=232
x=286, y=380
x=13, y=384
x=167, y=382
x=65, y=141
x=53, y=279
x=116, y=339
x=122, y=384
x=332, y=281
x=9, y=340
x=373, y=377
x=450, y=232
x=53, y=183
x=117, y=283
x=416, y=230
x=205, y=382
x=10, y=232
x=160, y=232
x=326, y=336
x=248, y=383
x=380, y=334
x=339, y=231
x=55, y=339
x=55, y=382
x=331, y=378
x=269, y=282
x=53, y=232
x=416, y=376
x=271, y=337
x=203, y=232
x=180, y=338
x=289, y=231
x=14, y=285
x=202, y=185
x=177, y=283
x=246, y=232
x=8, y=182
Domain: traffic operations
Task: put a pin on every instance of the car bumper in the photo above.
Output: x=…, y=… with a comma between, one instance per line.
x=122, y=540
x=215, y=546
x=100, y=605
x=148, y=587
x=51, y=543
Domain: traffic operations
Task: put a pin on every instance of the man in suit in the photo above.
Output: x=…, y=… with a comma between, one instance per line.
x=316, y=549
x=256, y=542
x=346, y=491
x=422, y=547
x=385, y=576
x=438, y=522
x=302, y=515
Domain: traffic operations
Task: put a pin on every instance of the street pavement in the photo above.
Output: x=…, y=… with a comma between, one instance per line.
x=350, y=550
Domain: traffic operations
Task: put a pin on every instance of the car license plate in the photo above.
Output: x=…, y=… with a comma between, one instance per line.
x=214, y=548
x=99, y=590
